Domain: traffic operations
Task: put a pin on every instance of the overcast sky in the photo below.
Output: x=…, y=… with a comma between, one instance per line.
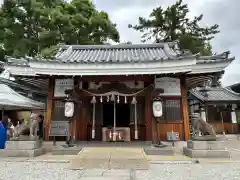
x=226, y=13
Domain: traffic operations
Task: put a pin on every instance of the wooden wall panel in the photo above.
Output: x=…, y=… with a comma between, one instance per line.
x=164, y=128
x=228, y=128
x=77, y=119
x=83, y=122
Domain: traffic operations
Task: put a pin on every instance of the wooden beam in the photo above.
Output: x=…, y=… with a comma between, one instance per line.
x=184, y=92
x=119, y=78
x=77, y=110
x=205, y=74
x=50, y=107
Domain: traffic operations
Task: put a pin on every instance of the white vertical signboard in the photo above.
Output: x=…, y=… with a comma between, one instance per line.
x=171, y=86
x=61, y=85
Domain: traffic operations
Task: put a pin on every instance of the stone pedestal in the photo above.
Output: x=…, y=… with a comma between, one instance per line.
x=206, y=149
x=22, y=149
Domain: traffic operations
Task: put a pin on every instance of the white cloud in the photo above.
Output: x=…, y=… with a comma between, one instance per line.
x=222, y=12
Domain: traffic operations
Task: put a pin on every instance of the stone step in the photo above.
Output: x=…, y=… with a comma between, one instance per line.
x=21, y=153
x=206, y=145
x=23, y=145
x=193, y=153
x=159, y=151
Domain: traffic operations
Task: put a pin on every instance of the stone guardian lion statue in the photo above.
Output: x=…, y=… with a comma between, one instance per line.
x=199, y=125
x=32, y=125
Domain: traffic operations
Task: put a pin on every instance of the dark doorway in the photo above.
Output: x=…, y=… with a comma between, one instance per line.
x=108, y=114
x=122, y=115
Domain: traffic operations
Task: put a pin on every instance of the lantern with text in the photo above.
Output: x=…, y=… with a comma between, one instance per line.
x=69, y=112
x=71, y=99
x=157, y=113
x=69, y=109
x=157, y=108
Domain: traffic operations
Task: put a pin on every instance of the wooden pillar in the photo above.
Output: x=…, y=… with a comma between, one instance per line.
x=48, y=119
x=148, y=116
x=77, y=111
x=184, y=93
x=76, y=106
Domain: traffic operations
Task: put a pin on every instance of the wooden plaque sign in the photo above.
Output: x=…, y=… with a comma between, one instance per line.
x=173, y=136
x=61, y=85
x=59, y=128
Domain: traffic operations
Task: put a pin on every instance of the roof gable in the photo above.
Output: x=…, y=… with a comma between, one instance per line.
x=215, y=94
x=122, y=59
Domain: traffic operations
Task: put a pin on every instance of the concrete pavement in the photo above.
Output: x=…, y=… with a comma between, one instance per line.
x=107, y=153
x=110, y=158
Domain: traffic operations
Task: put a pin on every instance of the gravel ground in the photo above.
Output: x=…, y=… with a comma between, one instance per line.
x=225, y=171
x=36, y=171
x=59, y=171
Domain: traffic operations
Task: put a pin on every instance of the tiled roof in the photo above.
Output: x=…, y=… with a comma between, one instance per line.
x=17, y=62
x=24, y=86
x=215, y=58
x=120, y=53
x=215, y=94
x=38, y=86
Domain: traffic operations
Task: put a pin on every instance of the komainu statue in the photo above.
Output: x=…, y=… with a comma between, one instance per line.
x=199, y=125
x=32, y=125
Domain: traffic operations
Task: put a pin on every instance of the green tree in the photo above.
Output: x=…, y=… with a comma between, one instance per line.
x=126, y=42
x=32, y=27
x=172, y=24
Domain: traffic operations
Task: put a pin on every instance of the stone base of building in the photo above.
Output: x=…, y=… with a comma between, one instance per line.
x=22, y=149
x=206, y=149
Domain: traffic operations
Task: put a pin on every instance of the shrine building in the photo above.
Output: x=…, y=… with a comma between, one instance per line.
x=114, y=87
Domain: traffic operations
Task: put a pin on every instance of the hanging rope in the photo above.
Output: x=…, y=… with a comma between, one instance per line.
x=115, y=93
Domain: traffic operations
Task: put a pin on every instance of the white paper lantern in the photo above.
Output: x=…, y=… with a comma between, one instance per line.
x=157, y=108
x=69, y=109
